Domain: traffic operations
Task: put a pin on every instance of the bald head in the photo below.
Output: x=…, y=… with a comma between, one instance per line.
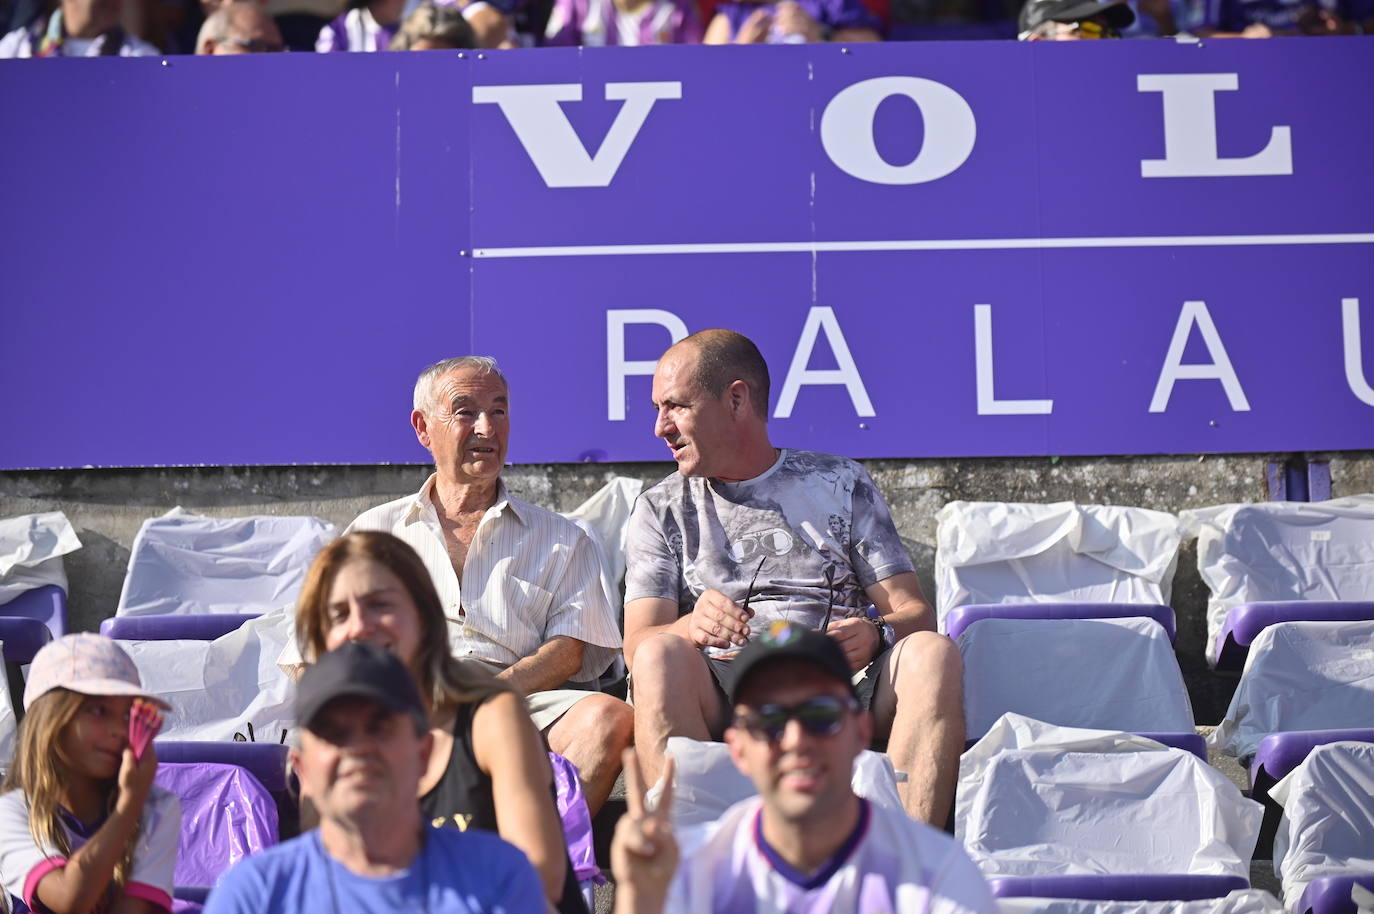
x=724, y=357
x=241, y=27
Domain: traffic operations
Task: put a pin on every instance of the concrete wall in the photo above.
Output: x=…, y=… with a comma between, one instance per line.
x=107, y=507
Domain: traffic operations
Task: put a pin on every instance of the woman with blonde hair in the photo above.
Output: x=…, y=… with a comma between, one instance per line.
x=488, y=768
x=82, y=828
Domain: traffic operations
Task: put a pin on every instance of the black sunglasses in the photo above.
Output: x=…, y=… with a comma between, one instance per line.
x=820, y=716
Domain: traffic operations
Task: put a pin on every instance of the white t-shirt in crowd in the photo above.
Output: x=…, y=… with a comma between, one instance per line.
x=23, y=862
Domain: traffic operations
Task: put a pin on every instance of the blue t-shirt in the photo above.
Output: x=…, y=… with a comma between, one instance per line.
x=458, y=872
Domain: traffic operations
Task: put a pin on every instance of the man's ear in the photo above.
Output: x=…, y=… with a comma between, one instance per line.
x=865, y=729
x=740, y=398
x=420, y=422
x=733, y=742
x=293, y=761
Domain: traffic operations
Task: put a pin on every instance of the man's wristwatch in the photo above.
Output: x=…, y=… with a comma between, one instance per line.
x=887, y=635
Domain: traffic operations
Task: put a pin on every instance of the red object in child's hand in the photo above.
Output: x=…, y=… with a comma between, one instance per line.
x=145, y=720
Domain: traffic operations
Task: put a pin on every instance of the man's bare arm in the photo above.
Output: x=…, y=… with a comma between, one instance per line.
x=547, y=668
x=715, y=621
x=903, y=604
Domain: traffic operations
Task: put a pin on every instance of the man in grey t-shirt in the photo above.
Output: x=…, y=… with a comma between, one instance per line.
x=746, y=536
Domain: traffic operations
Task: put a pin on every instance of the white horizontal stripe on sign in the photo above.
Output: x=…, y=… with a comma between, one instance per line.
x=932, y=244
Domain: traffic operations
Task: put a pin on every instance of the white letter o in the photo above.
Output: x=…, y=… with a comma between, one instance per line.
x=847, y=130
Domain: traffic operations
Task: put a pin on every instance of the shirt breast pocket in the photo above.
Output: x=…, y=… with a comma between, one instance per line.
x=528, y=601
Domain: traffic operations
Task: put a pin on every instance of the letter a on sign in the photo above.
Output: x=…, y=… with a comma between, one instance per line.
x=549, y=139
x=1219, y=369
x=820, y=319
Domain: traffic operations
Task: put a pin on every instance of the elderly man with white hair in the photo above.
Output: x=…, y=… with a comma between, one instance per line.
x=241, y=27
x=521, y=586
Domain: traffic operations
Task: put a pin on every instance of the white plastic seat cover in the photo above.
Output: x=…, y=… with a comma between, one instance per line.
x=1120, y=674
x=1243, y=901
x=1282, y=550
x=1002, y=552
x=706, y=782
x=186, y=563
x=1300, y=676
x=216, y=688
x=1038, y=800
x=31, y=550
x=8, y=724
x=1327, y=828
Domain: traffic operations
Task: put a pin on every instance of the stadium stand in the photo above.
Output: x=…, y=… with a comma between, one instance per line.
x=999, y=552
x=1327, y=829
x=1100, y=809
x=1301, y=676
x=185, y=563
x=33, y=576
x=1257, y=556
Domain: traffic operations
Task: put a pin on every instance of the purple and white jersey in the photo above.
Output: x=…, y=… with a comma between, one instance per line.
x=356, y=30
x=810, y=520
x=595, y=23
x=891, y=863
x=831, y=14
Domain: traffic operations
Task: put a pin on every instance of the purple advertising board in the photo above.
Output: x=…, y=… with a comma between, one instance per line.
x=961, y=249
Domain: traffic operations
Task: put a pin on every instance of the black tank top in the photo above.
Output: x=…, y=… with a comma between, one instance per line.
x=463, y=799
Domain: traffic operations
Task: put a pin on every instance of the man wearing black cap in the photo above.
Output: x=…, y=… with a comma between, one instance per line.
x=364, y=742
x=806, y=842
x=1072, y=20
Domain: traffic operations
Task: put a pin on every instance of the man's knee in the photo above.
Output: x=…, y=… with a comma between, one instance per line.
x=930, y=664
x=607, y=718
x=661, y=664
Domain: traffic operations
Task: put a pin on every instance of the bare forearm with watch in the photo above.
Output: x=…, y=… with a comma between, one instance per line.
x=902, y=610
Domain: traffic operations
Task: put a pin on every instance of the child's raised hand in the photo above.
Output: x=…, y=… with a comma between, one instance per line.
x=139, y=765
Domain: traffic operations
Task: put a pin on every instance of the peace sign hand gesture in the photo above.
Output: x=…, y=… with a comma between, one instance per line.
x=643, y=851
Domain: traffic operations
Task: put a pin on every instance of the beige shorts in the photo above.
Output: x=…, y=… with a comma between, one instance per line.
x=547, y=707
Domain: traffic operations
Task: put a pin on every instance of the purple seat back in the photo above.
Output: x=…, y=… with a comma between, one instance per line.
x=23, y=637
x=226, y=815
x=1331, y=894
x=1184, y=887
x=1280, y=753
x=265, y=761
x=47, y=604
x=961, y=617
x=174, y=626
x=1245, y=621
x=577, y=819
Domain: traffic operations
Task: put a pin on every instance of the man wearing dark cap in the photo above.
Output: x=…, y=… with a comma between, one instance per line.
x=364, y=742
x=806, y=842
x=1072, y=20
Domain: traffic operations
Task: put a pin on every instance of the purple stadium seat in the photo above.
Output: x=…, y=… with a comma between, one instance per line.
x=962, y=617
x=265, y=761
x=47, y=604
x=1331, y=894
x=1117, y=888
x=173, y=627
x=22, y=638
x=226, y=815
x=1247, y=620
x=1280, y=753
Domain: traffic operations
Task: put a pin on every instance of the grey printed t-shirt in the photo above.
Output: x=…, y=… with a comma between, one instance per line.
x=807, y=512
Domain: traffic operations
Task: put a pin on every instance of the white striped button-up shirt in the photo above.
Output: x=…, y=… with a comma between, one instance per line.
x=529, y=575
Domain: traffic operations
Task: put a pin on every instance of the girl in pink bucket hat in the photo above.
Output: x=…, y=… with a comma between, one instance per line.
x=82, y=828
